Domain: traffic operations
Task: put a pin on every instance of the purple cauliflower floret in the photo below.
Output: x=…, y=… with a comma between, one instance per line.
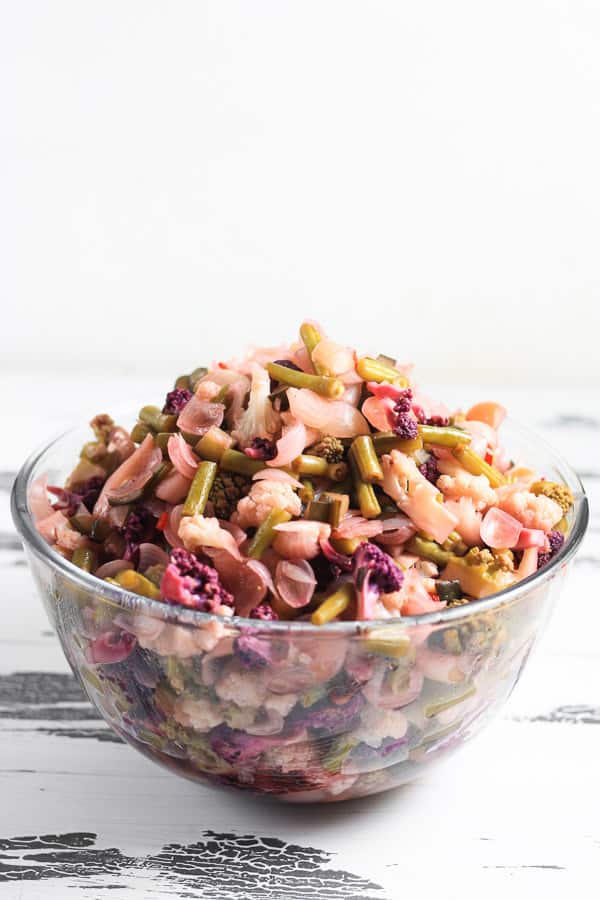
x=375, y=573
x=193, y=584
x=332, y=718
x=253, y=652
x=261, y=448
x=556, y=540
x=429, y=469
x=236, y=746
x=90, y=490
x=402, y=421
x=176, y=400
x=265, y=612
x=139, y=528
x=68, y=501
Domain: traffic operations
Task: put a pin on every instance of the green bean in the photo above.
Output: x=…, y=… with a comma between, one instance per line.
x=221, y=394
x=386, y=441
x=386, y=360
x=318, y=510
x=131, y=580
x=428, y=550
x=84, y=558
x=393, y=643
x=434, y=709
x=366, y=459
x=342, y=487
x=373, y=370
x=307, y=492
x=157, y=420
x=310, y=338
x=305, y=464
x=347, y=546
x=266, y=534
x=200, y=489
x=475, y=465
x=455, y=544
x=234, y=461
x=332, y=388
x=338, y=505
x=162, y=440
x=337, y=471
x=95, y=528
x=196, y=377
x=139, y=432
x=448, y=590
x=182, y=382
x=334, y=605
x=367, y=501
x=444, y=435
x=213, y=444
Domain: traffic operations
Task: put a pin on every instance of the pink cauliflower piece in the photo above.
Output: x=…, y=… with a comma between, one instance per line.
x=199, y=531
x=532, y=510
x=265, y=496
x=415, y=496
x=475, y=487
x=469, y=519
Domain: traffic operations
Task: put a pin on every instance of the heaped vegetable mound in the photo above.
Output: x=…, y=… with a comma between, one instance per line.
x=304, y=481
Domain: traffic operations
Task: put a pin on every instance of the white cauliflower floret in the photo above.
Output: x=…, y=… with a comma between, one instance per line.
x=259, y=419
x=200, y=714
x=198, y=531
x=532, y=510
x=265, y=496
x=207, y=390
x=281, y=703
x=378, y=724
x=476, y=487
x=239, y=686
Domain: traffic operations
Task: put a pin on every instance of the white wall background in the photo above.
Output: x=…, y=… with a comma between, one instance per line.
x=178, y=178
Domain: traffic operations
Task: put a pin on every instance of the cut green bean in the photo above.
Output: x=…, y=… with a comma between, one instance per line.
x=386, y=441
x=221, y=394
x=213, y=444
x=265, y=534
x=394, y=643
x=366, y=459
x=307, y=491
x=162, y=440
x=318, y=510
x=347, y=546
x=332, y=388
x=310, y=337
x=200, y=489
x=448, y=590
x=444, y=435
x=475, y=465
x=367, y=500
x=386, y=360
x=133, y=581
x=334, y=605
x=373, y=370
x=455, y=544
x=338, y=506
x=182, y=382
x=234, y=461
x=157, y=420
x=305, y=464
x=337, y=471
x=428, y=550
x=139, y=432
x=92, y=526
x=84, y=558
x=196, y=377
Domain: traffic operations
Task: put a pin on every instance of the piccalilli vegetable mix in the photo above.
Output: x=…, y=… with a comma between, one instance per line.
x=304, y=481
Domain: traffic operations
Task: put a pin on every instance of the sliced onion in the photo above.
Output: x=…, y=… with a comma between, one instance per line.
x=499, y=529
x=173, y=488
x=121, y=443
x=238, y=533
x=172, y=529
x=531, y=537
x=352, y=394
x=493, y=414
x=358, y=526
x=300, y=539
x=332, y=358
x=333, y=417
x=263, y=573
x=290, y=445
x=110, y=647
x=198, y=416
x=529, y=563
x=246, y=583
x=333, y=555
x=295, y=582
x=151, y=555
x=131, y=476
x=50, y=525
x=112, y=568
x=276, y=475
x=182, y=456
x=482, y=436
x=117, y=515
x=377, y=410
x=39, y=504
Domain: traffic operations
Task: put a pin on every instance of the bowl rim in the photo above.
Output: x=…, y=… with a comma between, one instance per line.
x=134, y=603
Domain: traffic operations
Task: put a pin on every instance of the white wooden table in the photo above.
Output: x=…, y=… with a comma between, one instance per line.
x=83, y=815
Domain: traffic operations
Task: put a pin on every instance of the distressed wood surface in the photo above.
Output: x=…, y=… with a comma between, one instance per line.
x=84, y=815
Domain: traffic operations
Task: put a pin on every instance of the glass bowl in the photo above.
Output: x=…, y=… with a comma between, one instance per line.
x=288, y=709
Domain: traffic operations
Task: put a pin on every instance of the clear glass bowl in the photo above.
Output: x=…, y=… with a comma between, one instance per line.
x=288, y=709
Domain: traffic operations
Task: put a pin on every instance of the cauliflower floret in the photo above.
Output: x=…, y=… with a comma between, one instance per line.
x=207, y=390
x=200, y=714
x=281, y=703
x=476, y=487
x=264, y=497
x=259, y=419
x=198, y=531
x=241, y=687
x=378, y=724
x=531, y=510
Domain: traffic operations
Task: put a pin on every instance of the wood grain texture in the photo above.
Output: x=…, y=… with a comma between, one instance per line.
x=83, y=815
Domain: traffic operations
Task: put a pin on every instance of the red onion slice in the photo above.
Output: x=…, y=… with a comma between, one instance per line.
x=295, y=582
x=499, y=529
x=198, y=416
x=182, y=456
